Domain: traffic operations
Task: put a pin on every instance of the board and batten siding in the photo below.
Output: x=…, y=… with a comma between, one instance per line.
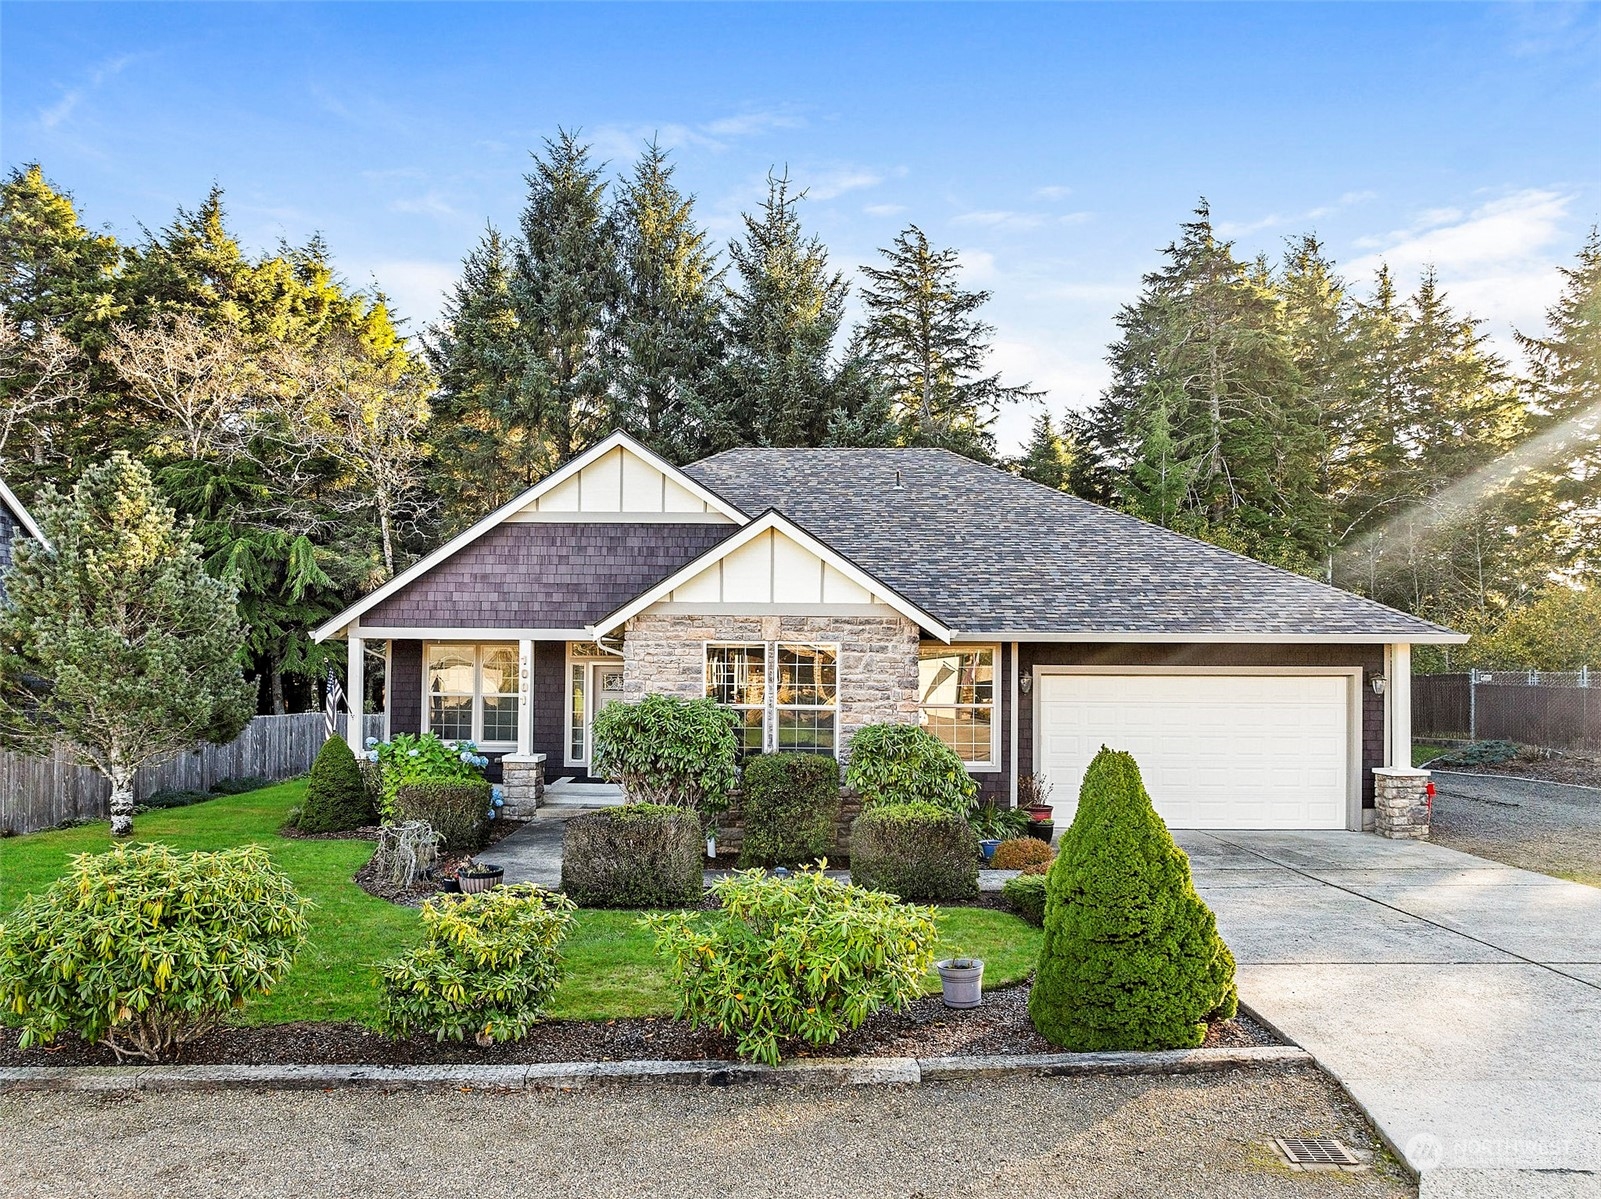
x=41, y=792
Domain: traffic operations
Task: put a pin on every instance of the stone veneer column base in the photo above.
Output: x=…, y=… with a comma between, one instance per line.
x=1401, y=803
x=522, y=782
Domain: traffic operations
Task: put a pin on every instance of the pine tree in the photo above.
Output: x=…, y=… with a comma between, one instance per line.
x=564, y=281
x=922, y=332
x=114, y=638
x=1047, y=459
x=664, y=332
x=777, y=384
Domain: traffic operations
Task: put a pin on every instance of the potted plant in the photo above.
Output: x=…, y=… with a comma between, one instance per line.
x=1045, y=830
x=987, y=847
x=445, y=879
x=961, y=981
x=476, y=877
x=1033, y=794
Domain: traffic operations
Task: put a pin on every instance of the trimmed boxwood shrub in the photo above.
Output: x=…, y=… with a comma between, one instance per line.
x=488, y=967
x=915, y=851
x=634, y=856
x=790, y=805
x=336, y=795
x=458, y=812
x=145, y=950
x=1025, y=895
x=803, y=958
x=1131, y=957
x=665, y=750
x=902, y=764
x=1020, y=853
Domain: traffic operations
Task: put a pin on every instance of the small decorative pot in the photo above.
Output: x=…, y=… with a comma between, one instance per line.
x=962, y=984
x=449, y=884
x=988, y=846
x=475, y=884
x=1044, y=830
x=1039, y=811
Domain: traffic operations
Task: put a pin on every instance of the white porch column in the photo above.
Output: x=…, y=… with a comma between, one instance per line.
x=525, y=697
x=355, y=689
x=1398, y=704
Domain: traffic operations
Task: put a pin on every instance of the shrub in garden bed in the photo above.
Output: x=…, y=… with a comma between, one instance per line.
x=458, y=812
x=901, y=764
x=789, y=804
x=488, y=966
x=1131, y=957
x=145, y=950
x=1479, y=753
x=1021, y=853
x=1025, y=895
x=915, y=851
x=240, y=784
x=422, y=758
x=805, y=958
x=669, y=751
x=634, y=856
x=336, y=795
x=173, y=797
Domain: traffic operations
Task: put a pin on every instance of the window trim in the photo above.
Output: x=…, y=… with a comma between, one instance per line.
x=477, y=649
x=770, y=706
x=939, y=649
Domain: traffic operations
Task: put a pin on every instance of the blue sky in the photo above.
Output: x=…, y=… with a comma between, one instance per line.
x=1058, y=147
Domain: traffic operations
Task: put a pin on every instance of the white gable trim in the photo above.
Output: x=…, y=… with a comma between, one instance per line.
x=10, y=500
x=771, y=521
x=550, y=482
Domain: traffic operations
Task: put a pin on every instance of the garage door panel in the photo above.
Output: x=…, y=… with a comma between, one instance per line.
x=1216, y=751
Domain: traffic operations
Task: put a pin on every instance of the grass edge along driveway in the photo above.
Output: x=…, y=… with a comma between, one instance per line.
x=611, y=969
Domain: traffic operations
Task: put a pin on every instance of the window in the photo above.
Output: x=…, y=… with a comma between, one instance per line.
x=786, y=696
x=956, y=694
x=473, y=693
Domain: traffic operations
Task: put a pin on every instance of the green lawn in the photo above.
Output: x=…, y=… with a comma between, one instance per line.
x=611, y=969
x=1422, y=752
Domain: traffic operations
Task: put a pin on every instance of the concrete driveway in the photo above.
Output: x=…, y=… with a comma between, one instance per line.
x=1458, y=1000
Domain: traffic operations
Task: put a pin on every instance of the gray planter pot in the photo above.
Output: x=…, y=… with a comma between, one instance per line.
x=962, y=985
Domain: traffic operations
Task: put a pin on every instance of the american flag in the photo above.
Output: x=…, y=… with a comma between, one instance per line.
x=332, y=696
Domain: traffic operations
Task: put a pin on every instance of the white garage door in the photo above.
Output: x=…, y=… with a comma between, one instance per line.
x=1216, y=751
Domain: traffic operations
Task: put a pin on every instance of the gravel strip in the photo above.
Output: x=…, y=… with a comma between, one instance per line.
x=1521, y=822
x=1197, y=1135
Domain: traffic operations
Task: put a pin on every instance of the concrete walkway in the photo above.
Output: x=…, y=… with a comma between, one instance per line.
x=1458, y=1000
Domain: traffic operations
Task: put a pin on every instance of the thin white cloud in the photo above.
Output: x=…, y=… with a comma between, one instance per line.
x=826, y=185
x=430, y=203
x=1276, y=220
x=416, y=289
x=1019, y=221
x=71, y=98
x=884, y=209
x=749, y=124
x=1053, y=192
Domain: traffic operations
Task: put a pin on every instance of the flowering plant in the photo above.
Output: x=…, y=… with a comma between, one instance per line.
x=426, y=757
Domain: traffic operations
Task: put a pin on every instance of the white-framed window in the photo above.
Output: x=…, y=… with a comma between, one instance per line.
x=472, y=693
x=956, y=700
x=785, y=694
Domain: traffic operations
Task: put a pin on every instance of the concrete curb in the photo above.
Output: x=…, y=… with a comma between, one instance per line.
x=862, y=1071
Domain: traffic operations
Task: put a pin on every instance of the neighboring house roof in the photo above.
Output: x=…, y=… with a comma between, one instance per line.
x=12, y=504
x=990, y=554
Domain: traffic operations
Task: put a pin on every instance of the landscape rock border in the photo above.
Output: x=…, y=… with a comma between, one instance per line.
x=863, y=1071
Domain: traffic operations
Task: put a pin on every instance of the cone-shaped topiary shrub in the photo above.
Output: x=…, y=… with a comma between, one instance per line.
x=336, y=795
x=1131, y=958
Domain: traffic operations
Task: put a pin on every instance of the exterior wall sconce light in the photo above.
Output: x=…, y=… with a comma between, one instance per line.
x=1025, y=683
x=1379, y=683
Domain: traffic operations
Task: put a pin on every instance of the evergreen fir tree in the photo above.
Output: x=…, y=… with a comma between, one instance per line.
x=665, y=328
x=923, y=333
x=777, y=384
x=336, y=795
x=1046, y=459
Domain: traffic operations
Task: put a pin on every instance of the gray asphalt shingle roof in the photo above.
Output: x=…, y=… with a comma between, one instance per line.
x=987, y=552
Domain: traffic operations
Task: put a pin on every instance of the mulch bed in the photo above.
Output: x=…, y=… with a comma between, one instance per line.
x=371, y=881
x=1582, y=772
x=926, y=1029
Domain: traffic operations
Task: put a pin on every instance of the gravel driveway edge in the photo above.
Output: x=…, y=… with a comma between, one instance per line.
x=568, y=1075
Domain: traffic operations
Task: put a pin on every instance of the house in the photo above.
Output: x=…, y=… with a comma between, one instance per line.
x=815, y=591
x=15, y=523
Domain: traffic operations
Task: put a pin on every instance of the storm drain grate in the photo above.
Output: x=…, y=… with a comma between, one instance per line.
x=1317, y=1153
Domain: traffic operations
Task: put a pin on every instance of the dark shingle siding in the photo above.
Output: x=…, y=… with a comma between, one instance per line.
x=985, y=551
x=545, y=575
x=10, y=530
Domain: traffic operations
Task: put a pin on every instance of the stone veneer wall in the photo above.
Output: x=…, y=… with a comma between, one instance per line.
x=664, y=653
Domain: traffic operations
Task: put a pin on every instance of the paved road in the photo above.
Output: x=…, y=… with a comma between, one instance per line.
x=1200, y=1135
x=1536, y=825
x=1458, y=1000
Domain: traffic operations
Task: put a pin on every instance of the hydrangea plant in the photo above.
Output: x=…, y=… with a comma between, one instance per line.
x=422, y=758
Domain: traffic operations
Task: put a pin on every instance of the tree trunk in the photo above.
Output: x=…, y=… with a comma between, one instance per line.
x=275, y=690
x=121, y=802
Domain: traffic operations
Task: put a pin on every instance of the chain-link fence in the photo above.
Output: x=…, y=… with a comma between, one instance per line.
x=1557, y=709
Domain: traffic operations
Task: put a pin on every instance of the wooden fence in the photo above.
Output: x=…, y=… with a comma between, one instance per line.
x=1506, y=706
x=38, y=793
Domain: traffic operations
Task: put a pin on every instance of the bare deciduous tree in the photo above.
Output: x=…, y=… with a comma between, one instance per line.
x=201, y=382
x=38, y=376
